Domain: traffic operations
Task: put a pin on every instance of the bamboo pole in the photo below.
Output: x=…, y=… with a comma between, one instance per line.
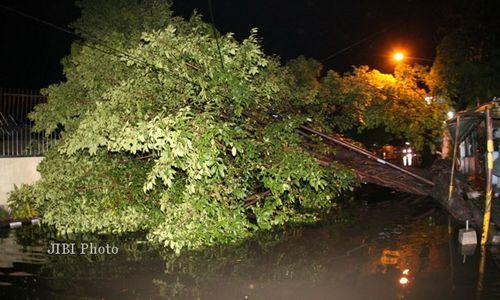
x=454, y=158
x=366, y=153
x=489, y=175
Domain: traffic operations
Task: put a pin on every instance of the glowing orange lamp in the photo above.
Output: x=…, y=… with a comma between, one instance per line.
x=399, y=56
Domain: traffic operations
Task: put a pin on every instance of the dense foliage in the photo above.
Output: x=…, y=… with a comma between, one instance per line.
x=161, y=134
x=404, y=104
x=467, y=64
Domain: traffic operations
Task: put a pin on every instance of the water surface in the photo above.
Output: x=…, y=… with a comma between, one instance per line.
x=391, y=248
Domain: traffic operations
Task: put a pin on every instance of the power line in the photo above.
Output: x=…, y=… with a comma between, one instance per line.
x=215, y=32
x=65, y=30
x=36, y=19
x=369, y=37
x=98, y=41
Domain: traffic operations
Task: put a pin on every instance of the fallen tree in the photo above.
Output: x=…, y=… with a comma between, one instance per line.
x=163, y=133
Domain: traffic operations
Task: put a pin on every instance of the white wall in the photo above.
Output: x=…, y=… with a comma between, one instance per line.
x=17, y=170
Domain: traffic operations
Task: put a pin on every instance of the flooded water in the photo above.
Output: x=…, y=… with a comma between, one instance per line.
x=391, y=249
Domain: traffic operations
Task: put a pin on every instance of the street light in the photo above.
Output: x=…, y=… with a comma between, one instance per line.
x=400, y=56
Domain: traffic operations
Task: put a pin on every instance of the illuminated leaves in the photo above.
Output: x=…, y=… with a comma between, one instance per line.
x=367, y=99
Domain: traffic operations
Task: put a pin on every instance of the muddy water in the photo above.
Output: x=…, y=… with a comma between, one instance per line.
x=380, y=248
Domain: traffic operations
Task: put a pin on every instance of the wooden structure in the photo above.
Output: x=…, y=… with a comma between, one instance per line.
x=465, y=126
x=370, y=168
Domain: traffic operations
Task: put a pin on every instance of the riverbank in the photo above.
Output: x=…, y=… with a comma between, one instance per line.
x=467, y=200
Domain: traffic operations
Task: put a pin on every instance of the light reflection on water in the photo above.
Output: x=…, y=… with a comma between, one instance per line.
x=385, y=252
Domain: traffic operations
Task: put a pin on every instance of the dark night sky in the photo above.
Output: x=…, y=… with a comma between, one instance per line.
x=31, y=52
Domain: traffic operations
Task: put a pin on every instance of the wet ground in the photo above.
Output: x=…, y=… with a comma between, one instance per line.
x=385, y=246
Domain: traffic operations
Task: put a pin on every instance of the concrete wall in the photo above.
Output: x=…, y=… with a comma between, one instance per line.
x=17, y=170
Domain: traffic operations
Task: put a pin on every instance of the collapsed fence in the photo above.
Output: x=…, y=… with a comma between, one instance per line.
x=17, y=137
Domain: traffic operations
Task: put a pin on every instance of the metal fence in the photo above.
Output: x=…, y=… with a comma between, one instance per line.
x=16, y=104
x=17, y=137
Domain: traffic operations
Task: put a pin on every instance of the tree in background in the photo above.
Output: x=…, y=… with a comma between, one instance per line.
x=162, y=134
x=404, y=105
x=467, y=64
